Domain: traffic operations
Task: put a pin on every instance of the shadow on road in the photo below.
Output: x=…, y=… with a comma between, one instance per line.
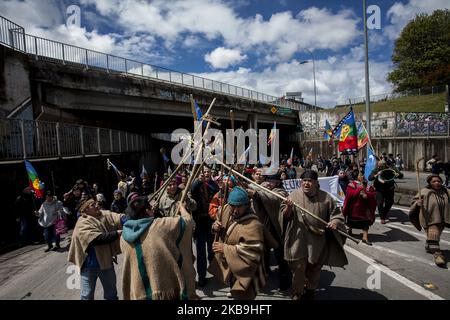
x=398, y=216
x=392, y=235
x=326, y=291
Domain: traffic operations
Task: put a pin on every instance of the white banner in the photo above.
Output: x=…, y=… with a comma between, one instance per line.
x=327, y=184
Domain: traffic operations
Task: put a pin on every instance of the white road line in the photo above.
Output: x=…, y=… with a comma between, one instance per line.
x=408, y=283
x=421, y=235
x=408, y=257
x=407, y=210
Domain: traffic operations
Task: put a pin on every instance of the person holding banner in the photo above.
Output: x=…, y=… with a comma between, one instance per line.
x=307, y=244
x=359, y=207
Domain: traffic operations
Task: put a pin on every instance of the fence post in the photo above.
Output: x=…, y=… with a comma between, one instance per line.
x=35, y=48
x=119, y=133
x=11, y=39
x=63, y=54
x=24, y=147
x=110, y=141
x=87, y=63
x=107, y=63
x=126, y=67
x=98, y=141
x=58, y=141
x=142, y=69
x=81, y=141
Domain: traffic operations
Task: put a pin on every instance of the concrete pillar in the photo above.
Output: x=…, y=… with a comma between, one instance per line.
x=252, y=121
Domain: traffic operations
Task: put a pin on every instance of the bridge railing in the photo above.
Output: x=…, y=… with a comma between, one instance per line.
x=14, y=36
x=29, y=139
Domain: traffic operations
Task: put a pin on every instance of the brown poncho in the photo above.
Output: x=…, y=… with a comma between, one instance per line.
x=436, y=207
x=241, y=261
x=86, y=230
x=300, y=242
x=166, y=245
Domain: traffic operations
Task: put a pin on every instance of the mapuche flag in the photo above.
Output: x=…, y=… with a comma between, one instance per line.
x=363, y=137
x=34, y=181
x=347, y=133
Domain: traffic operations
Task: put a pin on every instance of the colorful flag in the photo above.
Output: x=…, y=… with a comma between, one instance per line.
x=328, y=134
x=363, y=137
x=34, y=181
x=117, y=171
x=272, y=134
x=370, y=164
x=347, y=133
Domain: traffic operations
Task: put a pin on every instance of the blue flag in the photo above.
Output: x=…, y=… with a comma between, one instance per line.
x=370, y=164
x=199, y=113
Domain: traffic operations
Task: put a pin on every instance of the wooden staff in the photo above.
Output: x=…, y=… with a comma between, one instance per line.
x=166, y=183
x=343, y=233
x=414, y=218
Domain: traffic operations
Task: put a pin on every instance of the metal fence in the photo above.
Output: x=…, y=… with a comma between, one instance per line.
x=405, y=124
x=63, y=53
x=28, y=139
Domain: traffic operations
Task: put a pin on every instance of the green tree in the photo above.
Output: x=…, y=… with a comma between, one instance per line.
x=421, y=55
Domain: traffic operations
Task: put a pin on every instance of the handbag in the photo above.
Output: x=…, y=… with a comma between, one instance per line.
x=60, y=225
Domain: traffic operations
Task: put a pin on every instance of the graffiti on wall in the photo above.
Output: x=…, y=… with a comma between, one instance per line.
x=422, y=123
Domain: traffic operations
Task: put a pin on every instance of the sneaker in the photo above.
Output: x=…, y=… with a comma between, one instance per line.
x=367, y=242
x=229, y=295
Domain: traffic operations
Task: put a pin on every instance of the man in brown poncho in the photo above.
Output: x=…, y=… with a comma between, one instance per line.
x=239, y=250
x=94, y=245
x=308, y=246
x=157, y=254
x=267, y=208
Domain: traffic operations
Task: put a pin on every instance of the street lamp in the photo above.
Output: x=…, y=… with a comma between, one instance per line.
x=315, y=90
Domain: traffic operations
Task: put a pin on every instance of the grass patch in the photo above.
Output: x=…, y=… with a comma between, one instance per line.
x=425, y=103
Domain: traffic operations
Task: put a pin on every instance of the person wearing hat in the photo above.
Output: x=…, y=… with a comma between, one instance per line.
x=47, y=214
x=308, y=244
x=239, y=251
x=267, y=207
x=119, y=203
x=168, y=203
x=385, y=189
x=434, y=200
x=157, y=254
x=94, y=247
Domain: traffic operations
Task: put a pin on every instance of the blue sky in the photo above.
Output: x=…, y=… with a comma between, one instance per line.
x=254, y=44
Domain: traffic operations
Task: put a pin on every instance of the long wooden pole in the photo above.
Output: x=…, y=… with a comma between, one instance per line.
x=343, y=233
x=166, y=183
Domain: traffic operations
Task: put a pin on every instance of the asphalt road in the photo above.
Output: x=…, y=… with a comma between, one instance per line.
x=395, y=267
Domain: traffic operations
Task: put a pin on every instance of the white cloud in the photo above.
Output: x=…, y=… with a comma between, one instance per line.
x=222, y=58
x=400, y=14
x=335, y=82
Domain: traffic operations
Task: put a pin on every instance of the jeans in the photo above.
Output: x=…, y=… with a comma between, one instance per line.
x=50, y=236
x=89, y=280
x=203, y=243
x=385, y=200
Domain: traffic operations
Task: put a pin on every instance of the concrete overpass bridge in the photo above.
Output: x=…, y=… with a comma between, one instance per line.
x=62, y=82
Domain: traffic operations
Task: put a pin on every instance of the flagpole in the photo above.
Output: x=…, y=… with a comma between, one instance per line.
x=366, y=51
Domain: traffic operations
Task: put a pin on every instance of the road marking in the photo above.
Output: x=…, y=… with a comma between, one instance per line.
x=408, y=283
x=407, y=211
x=421, y=235
x=408, y=257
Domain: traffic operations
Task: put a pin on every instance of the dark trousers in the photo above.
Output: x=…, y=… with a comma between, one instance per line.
x=385, y=200
x=283, y=266
x=203, y=243
x=50, y=236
